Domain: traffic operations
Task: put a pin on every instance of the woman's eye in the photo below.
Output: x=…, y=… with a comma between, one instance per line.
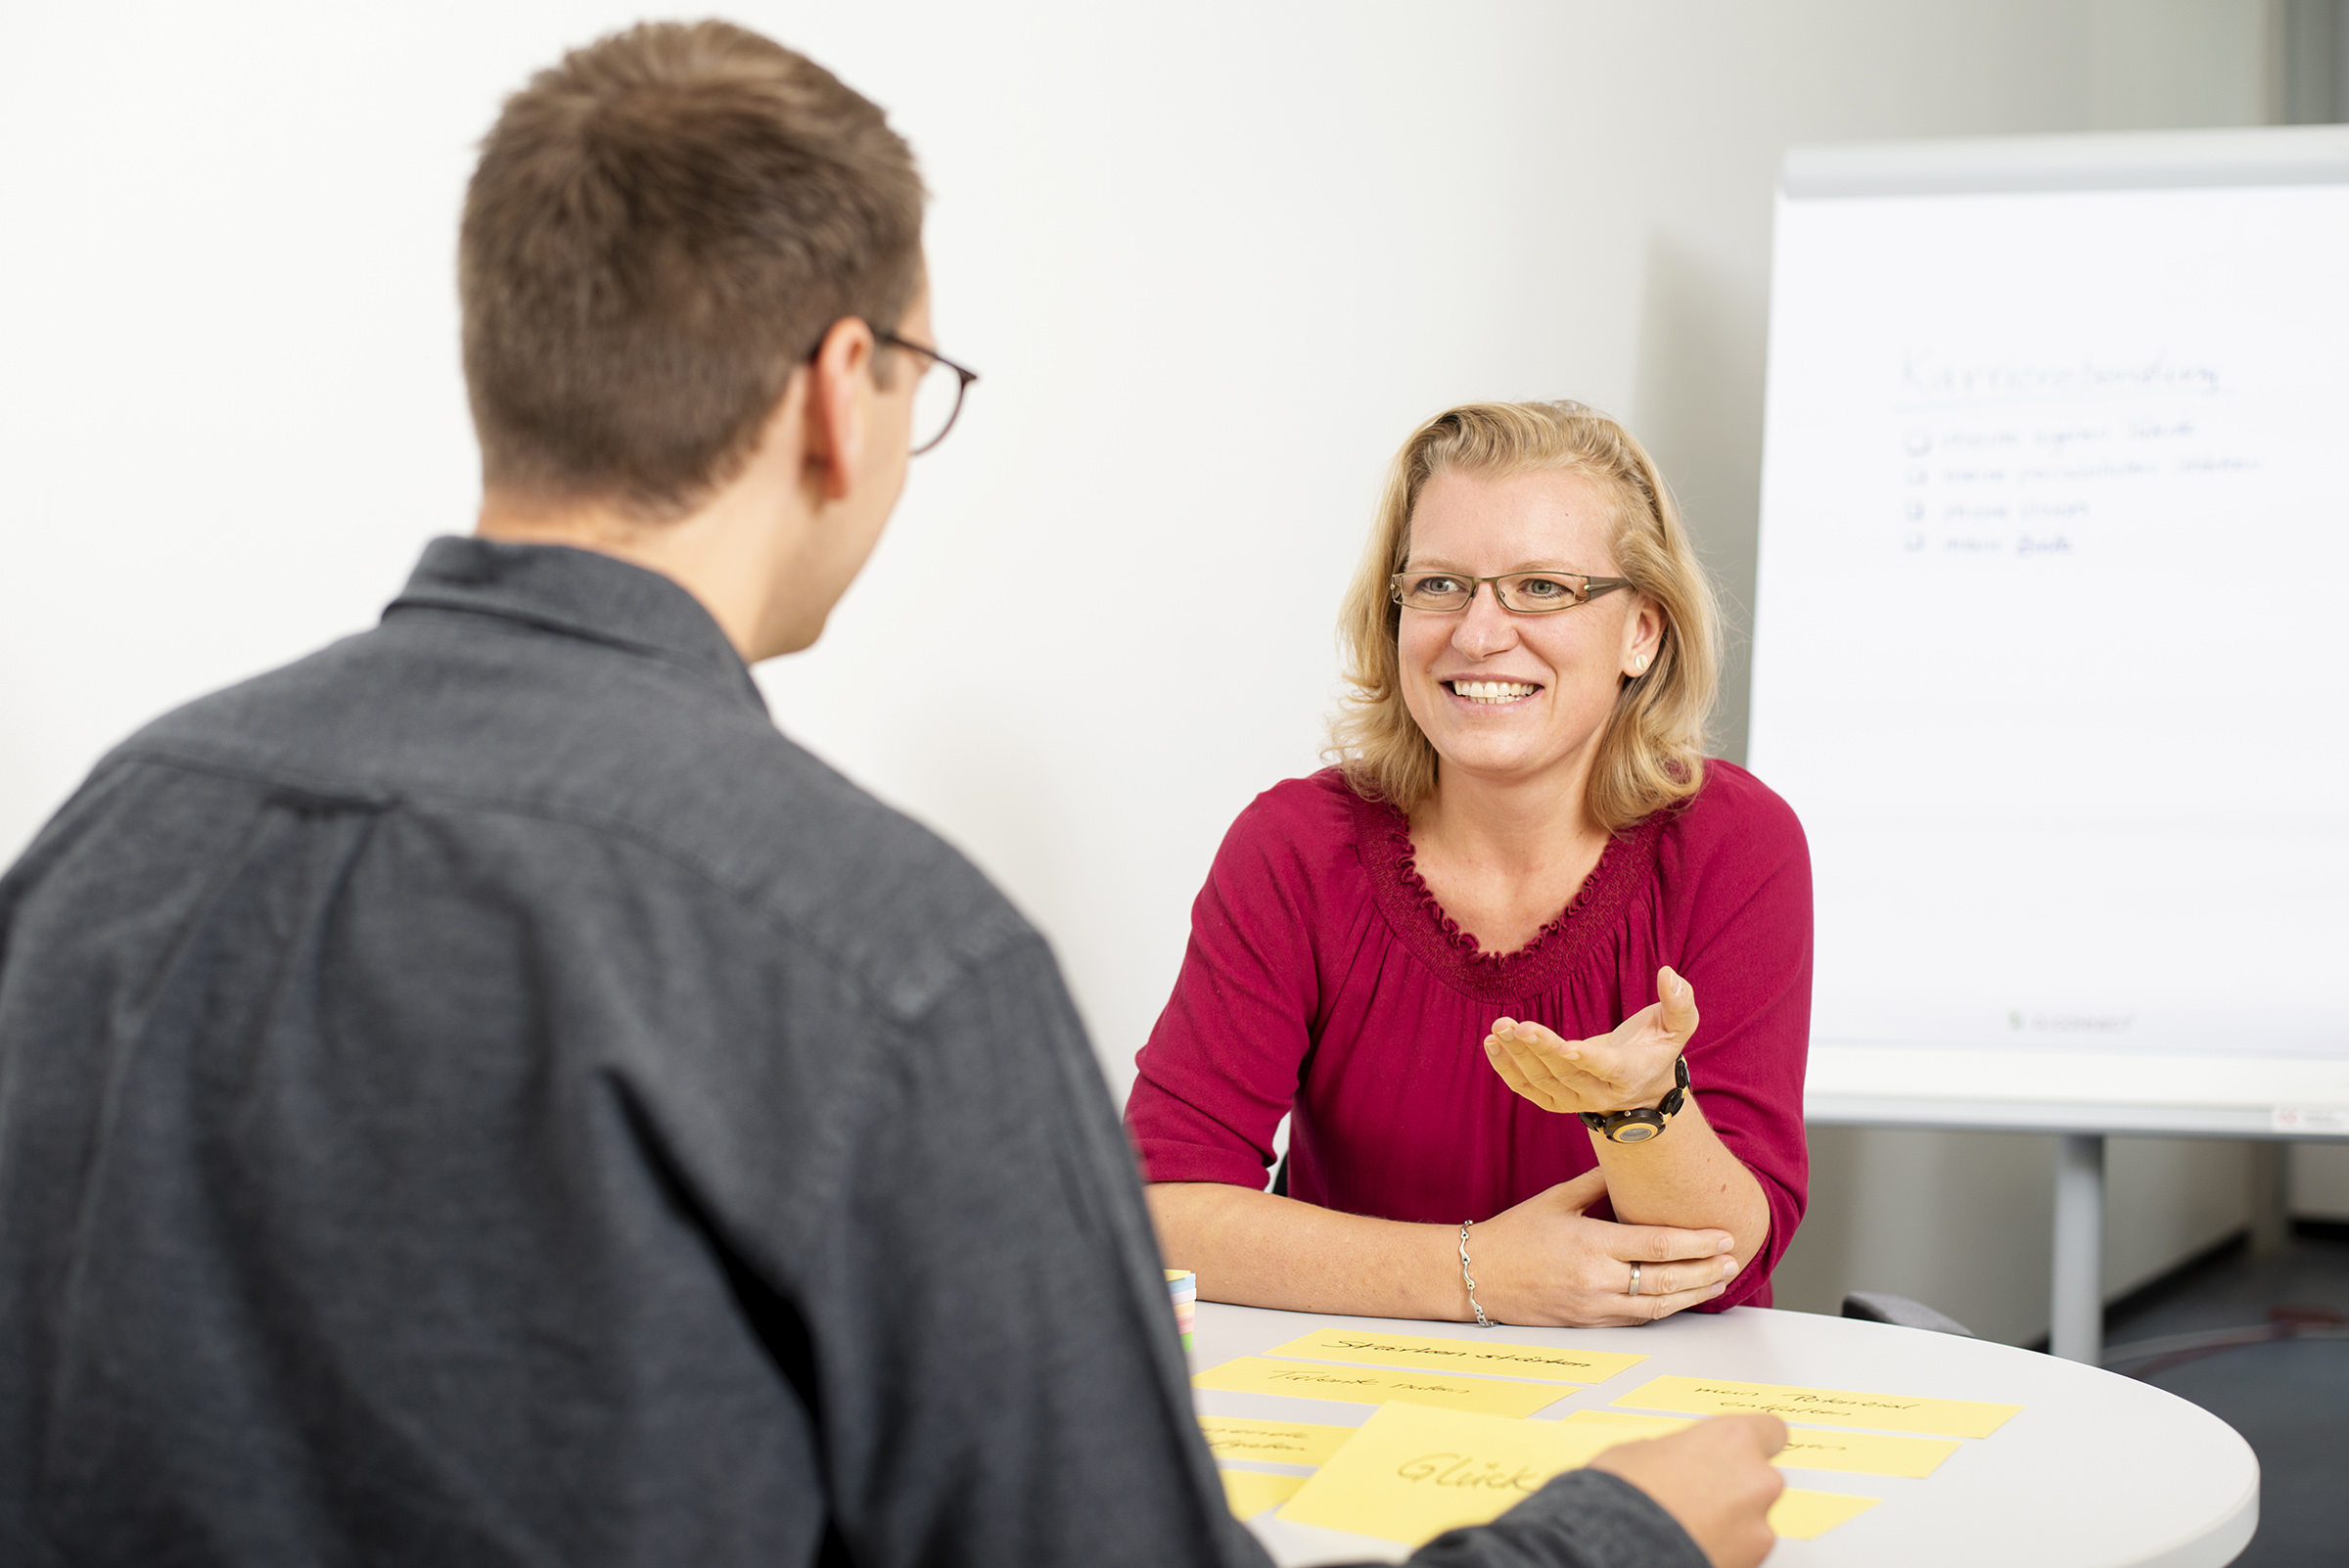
x=1436, y=585
x=1544, y=588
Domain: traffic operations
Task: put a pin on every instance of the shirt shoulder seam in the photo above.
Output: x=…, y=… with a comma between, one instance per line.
x=1010, y=935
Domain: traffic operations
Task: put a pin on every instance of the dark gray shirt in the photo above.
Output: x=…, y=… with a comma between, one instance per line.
x=480, y=1096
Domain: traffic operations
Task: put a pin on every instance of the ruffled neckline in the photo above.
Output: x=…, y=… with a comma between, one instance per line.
x=1418, y=919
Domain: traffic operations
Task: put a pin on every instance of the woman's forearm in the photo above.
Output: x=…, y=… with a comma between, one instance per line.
x=1689, y=1178
x=1255, y=1249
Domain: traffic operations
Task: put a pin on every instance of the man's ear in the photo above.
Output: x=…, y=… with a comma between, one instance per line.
x=836, y=407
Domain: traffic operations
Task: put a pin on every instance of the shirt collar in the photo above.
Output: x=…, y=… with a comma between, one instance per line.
x=577, y=594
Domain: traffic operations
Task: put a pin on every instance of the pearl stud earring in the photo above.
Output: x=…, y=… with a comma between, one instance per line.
x=1641, y=668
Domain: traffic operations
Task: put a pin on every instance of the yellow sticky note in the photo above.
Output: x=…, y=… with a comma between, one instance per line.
x=1895, y=1413
x=1411, y=1472
x=1371, y=1385
x=1627, y=1427
x=1492, y=1357
x=1251, y=1491
x=1812, y=1448
x=1806, y=1514
x=1808, y=1448
x=1278, y=1441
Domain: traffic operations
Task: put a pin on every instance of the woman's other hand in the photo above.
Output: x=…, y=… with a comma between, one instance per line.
x=1631, y=1065
x=1546, y=1263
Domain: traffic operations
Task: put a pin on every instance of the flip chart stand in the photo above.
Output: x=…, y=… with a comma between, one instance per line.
x=2076, y=1320
x=2076, y=1310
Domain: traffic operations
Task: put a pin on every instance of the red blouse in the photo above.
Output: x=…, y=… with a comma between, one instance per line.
x=1324, y=982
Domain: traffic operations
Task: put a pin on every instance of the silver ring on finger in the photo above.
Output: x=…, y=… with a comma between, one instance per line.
x=1635, y=1280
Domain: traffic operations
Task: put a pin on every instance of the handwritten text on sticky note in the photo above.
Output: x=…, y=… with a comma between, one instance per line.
x=1411, y=1472
x=1892, y=1413
x=1275, y=1442
x=1558, y=1364
x=1808, y=1448
x=1372, y=1385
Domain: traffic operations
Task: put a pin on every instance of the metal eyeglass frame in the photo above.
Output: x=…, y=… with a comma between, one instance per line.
x=1589, y=589
x=963, y=374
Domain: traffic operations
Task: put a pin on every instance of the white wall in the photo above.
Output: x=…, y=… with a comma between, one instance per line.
x=1213, y=260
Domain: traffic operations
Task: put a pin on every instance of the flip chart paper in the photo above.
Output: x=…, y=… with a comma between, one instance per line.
x=1371, y=1385
x=1558, y=1363
x=1412, y=1472
x=1714, y=1396
x=1278, y=1442
x=1805, y=1515
x=1251, y=1491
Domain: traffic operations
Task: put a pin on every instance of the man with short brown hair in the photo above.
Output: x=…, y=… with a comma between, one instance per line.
x=479, y=1094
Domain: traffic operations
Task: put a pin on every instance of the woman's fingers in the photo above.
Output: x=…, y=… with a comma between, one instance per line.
x=1533, y=1073
x=1513, y=1073
x=1655, y=1244
x=1582, y=1191
x=1674, y=1279
x=1646, y=1309
x=1678, y=1000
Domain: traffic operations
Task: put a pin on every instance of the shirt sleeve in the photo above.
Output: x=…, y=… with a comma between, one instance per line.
x=1221, y=1068
x=1746, y=874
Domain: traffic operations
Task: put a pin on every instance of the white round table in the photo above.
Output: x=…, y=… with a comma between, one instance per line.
x=2098, y=1470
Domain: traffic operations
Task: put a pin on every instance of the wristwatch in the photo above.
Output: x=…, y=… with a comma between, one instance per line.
x=1637, y=1127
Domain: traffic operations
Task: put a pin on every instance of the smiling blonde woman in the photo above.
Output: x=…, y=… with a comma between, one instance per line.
x=1466, y=960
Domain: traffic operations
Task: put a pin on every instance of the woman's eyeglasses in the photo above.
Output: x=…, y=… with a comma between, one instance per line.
x=1524, y=593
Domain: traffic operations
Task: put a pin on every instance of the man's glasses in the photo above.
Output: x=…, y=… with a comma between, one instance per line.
x=1525, y=593
x=937, y=397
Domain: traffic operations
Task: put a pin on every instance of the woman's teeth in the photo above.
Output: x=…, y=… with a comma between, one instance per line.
x=1493, y=691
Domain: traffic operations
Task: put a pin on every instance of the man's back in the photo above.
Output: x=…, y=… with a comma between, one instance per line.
x=479, y=1094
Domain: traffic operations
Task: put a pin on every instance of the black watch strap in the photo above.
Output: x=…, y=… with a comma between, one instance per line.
x=1637, y=1127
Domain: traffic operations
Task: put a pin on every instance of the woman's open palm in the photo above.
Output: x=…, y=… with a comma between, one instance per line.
x=1631, y=1065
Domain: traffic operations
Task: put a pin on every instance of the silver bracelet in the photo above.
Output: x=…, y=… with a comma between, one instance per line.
x=1469, y=1279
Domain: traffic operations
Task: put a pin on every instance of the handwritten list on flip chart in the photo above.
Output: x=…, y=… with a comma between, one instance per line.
x=2021, y=451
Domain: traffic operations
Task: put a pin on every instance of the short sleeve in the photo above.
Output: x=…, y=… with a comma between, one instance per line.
x=1740, y=870
x=1221, y=1068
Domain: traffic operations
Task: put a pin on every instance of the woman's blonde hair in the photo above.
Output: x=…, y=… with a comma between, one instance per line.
x=1652, y=751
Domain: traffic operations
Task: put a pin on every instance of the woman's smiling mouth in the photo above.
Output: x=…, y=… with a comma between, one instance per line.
x=1492, y=692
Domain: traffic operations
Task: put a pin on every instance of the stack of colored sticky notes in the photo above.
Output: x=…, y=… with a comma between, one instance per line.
x=1184, y=1286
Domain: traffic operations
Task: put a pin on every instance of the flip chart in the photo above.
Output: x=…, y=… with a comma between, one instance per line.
x=1895, y=1413
x=1250, y=1492
x=1369, y=1385
x=1493, y=1358
x=2024, y=399
x=1278, y=1442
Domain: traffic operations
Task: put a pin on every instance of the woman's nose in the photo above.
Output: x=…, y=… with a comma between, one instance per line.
x=1484, y=628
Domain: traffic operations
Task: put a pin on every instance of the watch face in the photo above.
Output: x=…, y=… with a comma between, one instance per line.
x=1635, y=1133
